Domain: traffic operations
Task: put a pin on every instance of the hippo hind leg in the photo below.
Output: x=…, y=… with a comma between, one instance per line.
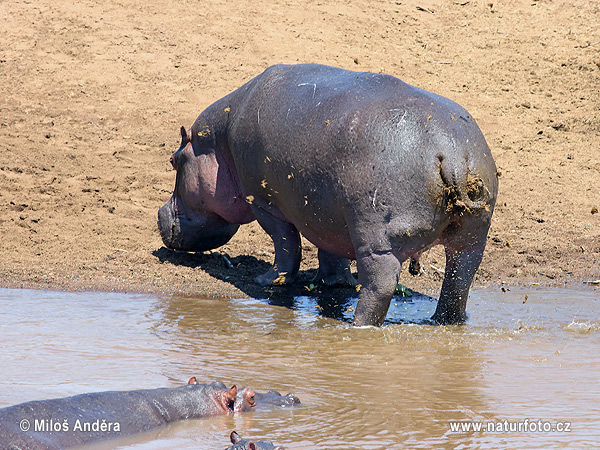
x=379, y=271
x=334, y=270
x=464, y=250
x=378, y=275
x=288, y=252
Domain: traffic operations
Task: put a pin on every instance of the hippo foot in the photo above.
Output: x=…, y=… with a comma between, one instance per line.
x=345, y=279
x=334, y=271
x=273, y=278
x=448, y=318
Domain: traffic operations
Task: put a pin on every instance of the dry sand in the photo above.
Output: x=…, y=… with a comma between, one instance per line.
x=92, y=95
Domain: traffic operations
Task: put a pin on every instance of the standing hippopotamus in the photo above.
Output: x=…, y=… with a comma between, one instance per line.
x=365, y=166
x=72, y=421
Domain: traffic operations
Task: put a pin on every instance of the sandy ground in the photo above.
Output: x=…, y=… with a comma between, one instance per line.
x=92, y=95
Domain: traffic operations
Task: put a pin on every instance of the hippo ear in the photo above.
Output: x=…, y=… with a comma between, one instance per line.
x=184, y=136
x=251, y=446
x=231, y=394
x=193, y=381
x=235, y=438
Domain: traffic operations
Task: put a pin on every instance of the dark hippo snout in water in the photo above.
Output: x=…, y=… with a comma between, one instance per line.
x=73, y=421
x=364, y=165
x=244, y=444
x=268, y=400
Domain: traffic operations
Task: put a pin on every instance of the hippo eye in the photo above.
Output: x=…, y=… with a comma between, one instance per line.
x=172, y=161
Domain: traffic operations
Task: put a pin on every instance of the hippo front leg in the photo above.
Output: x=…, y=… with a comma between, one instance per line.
x=461, y=265
x=377, y=276
x=334, y=270
x=288, y=252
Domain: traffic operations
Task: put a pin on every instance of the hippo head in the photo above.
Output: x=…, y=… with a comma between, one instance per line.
x=244, y=400
x=234, y=399
x=244, y=444
x=205, y=209
x=225, y=398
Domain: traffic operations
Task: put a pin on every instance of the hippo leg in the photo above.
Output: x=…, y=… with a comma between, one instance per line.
x=462, y=261
x=378, y=275
x=288, y=251
x=334, y=270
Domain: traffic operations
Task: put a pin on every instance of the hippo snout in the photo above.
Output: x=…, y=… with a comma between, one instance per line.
x=167, y=225
x=192, y=231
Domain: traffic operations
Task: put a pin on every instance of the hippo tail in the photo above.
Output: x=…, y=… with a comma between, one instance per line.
x=464, y=191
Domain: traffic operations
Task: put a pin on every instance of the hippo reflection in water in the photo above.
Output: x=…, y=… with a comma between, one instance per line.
x=363, y=165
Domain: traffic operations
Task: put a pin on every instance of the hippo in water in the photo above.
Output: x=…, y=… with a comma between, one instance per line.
x=363, y=165
x=86, y=418
x=273, y=399
x=249, y=400
x=244, y=444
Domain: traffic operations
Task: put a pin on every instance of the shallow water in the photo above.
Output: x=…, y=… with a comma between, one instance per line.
x=399, y=386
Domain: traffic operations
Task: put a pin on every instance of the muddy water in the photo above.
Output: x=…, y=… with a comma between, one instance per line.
x=401, y=386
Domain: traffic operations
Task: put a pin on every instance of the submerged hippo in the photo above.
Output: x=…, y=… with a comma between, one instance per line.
x=73, y=421
x=365, y=166
x=247, y=399
x=273, y=399
x=244, y=444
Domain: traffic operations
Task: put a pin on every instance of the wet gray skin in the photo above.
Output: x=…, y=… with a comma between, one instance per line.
x=244, y=444
x=365, y=166
x=268, y=400
x=115, y=413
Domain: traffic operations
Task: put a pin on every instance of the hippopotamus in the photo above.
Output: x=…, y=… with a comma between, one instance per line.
x=363, y=165
x=86, y=418
x=273, y=399
x=249, y=400
x=244, y=444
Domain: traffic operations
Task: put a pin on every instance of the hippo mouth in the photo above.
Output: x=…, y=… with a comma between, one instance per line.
x=192, y=231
